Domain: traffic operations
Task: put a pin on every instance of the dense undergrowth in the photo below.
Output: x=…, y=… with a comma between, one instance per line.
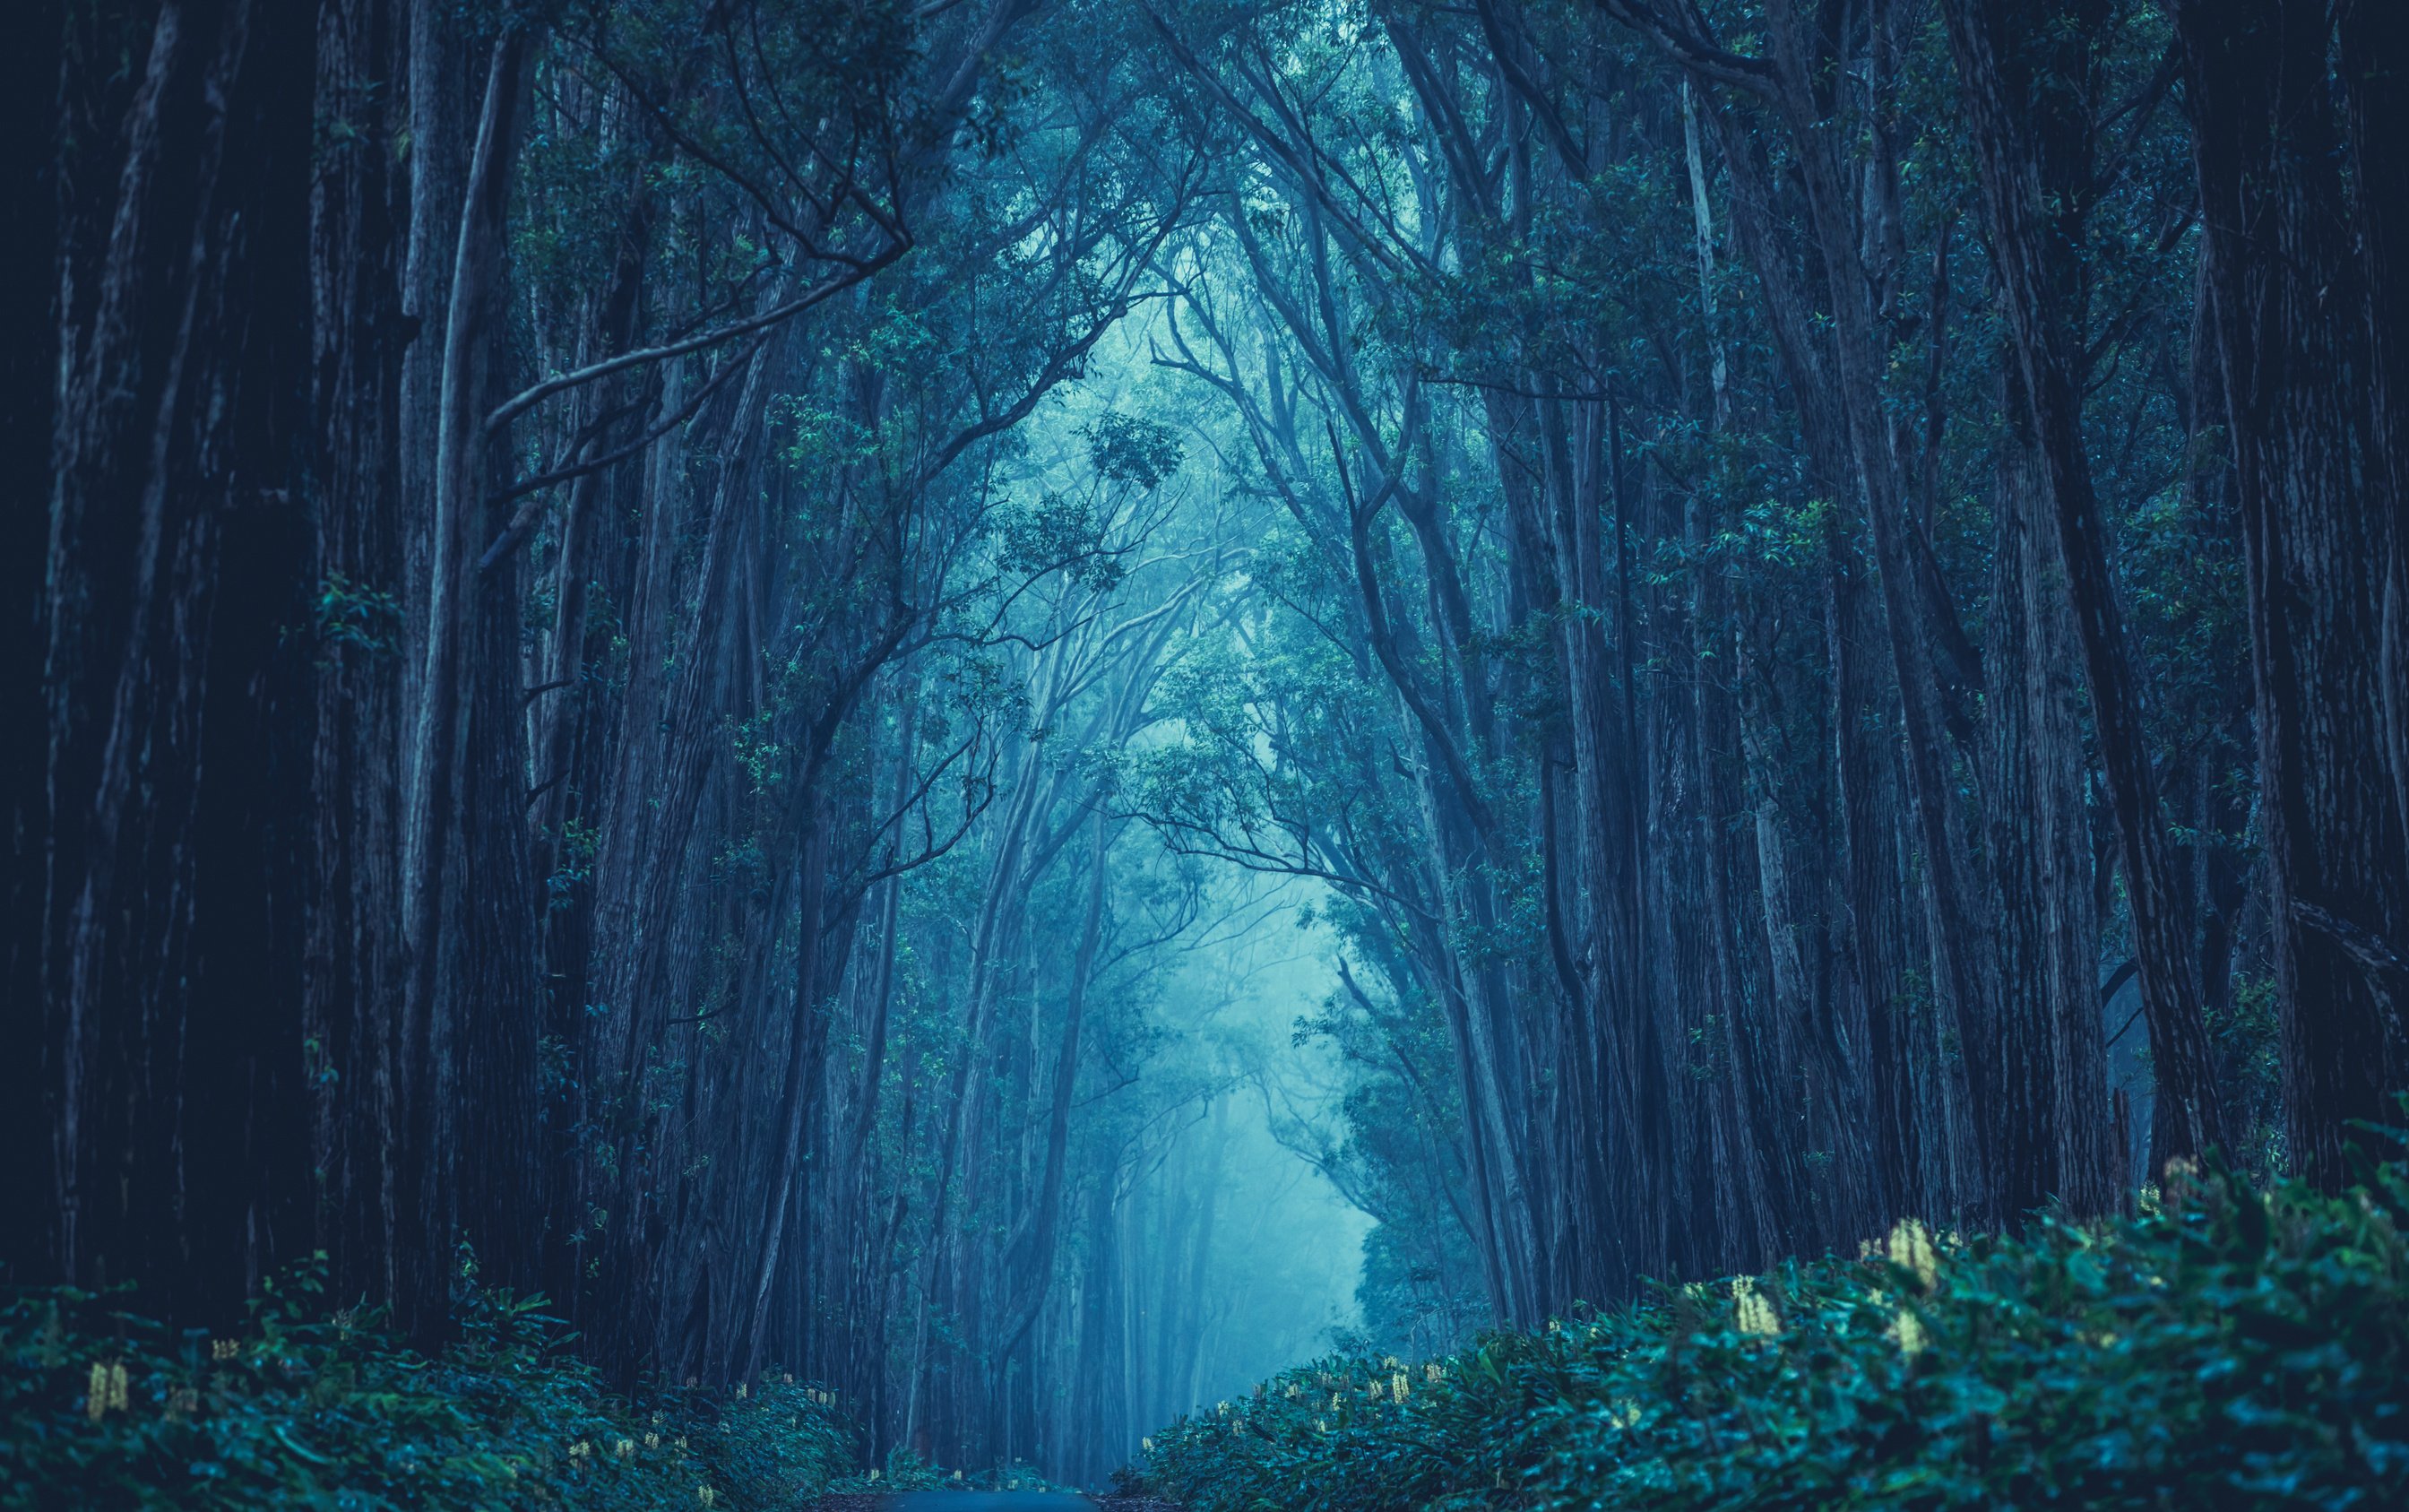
x=2228, y=1349
x=310, y=1406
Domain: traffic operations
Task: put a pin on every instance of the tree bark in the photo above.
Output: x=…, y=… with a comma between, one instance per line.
x=2291, y=321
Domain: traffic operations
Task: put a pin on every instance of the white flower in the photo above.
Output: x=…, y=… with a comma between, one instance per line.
x=1909, y=1330
x=1910, y=1248
x=1756, y=1314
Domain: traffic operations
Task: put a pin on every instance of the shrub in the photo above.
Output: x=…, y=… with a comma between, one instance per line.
x=309, y=1408
x=2234, y=1349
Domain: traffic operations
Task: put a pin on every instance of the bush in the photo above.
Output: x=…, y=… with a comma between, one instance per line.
x=309, y=1408
x=2232, y=1349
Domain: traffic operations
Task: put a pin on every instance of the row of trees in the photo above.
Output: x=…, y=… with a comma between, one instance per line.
x=538, y=553
x=1839, y=559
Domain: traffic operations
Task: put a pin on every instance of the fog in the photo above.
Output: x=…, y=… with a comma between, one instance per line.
x=1280, y=1277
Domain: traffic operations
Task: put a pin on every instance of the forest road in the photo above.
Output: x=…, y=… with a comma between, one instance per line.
x=969, y=1501
x=987, y=1502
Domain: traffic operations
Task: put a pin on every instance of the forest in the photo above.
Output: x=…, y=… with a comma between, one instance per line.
x=1326, y=754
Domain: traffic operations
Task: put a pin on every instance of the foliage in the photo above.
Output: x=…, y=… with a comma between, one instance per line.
x=2236, y=1348
x=354, y=615
x=907, y=1472
x=312, y=1407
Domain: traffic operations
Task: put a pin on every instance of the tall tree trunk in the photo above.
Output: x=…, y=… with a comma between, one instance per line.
x=2054, y=1148
x=32, y=109
x=2291, y=323
x=172, y=1049
x=446, y=1086
x=2372, y=43
x=2033, y=136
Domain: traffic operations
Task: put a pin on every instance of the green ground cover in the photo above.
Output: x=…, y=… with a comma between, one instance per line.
x=2230, y=1347
x=312, y=1406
